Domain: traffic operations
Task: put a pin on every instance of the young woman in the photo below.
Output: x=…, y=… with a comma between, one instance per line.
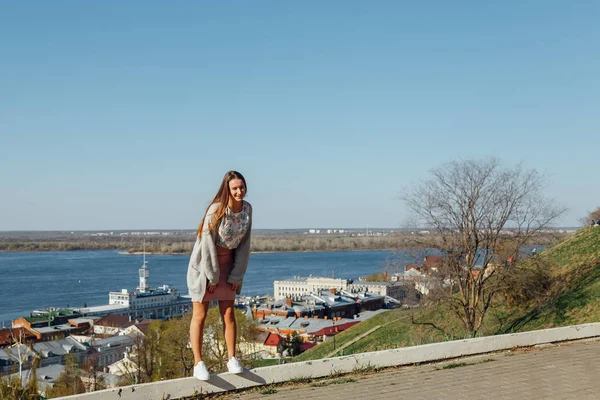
x=218, y=264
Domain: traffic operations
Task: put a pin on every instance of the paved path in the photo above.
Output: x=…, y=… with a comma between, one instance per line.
x=565, y=371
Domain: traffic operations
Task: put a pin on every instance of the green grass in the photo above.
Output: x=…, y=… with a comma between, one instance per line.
x=582, y=249
x=578, y=304
x=365, y=369
x=396, y=331
x=266, y=362
x=455, y=365
x=574, y=298
x=464, y=364
x=333, y=382
x=300, y=379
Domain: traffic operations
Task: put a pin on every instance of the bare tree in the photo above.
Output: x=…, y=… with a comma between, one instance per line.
x=91, y=375
x=481, y=214
x=141, y=360
x=23, y=349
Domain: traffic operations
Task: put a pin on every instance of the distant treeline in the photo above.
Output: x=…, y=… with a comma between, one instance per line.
x=62, y=246
x=308, y=243
x=260, y=243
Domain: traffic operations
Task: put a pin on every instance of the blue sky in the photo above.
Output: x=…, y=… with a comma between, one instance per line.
x=126, y=115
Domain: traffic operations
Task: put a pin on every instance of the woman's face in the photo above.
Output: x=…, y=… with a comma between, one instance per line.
x=237, y=189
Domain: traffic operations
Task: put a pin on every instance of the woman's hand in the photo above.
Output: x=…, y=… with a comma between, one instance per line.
x=234, y=287
x=211, y=288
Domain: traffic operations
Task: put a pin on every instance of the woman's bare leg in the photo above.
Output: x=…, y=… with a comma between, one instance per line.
x=229, y=325
x=199, y=311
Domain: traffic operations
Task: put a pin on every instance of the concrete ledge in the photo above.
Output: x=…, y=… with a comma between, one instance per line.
x=177, y=388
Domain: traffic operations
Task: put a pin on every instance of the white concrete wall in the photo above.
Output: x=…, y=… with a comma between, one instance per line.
x=177, y=388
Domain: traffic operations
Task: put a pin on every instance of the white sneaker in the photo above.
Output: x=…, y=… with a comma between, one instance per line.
x=234, y=366
x=200, y=371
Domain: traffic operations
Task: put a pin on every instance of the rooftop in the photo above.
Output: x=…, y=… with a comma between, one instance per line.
x=114, y=341
x=12, y=353
x=367, y=283
x=46, y=375
x=82, y=320
x=7, y=333
x=313, y=325
x=104, y=308
x=58, y=347
x=46, y=315
x=114, y=320
x=306, y=278
x=54, y=328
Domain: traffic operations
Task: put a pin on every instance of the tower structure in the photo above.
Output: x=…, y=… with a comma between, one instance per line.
x=144, y=274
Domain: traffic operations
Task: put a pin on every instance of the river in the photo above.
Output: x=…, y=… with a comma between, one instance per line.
x=60, y=279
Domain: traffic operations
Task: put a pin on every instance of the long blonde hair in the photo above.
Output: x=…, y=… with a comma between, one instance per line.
x=222, y=197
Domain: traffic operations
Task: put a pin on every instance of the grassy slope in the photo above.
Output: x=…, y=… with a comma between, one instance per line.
x=575, y=299
x=576, y=290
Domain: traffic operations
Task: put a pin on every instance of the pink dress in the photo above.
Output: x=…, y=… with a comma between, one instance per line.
x=223, y=290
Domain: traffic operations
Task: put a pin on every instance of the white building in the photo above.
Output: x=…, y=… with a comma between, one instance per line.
x=109, y=350
x=298, y=286
x=125, y=366
x=159, y=299
x=143, y=302
x=396, y=290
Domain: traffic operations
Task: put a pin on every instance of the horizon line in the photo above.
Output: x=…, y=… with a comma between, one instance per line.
x=254, y=229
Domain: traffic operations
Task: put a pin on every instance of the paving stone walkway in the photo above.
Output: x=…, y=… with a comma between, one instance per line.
x=565, y=371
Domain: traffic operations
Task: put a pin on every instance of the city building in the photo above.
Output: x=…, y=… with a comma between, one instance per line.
x=143, y=302
x=398, y=290
x=54, y=351
x=298, y=286
x=12, y=358
x=107, y=351
x=51, y=324
x=10, y=336
x=311, y=330
x=114, y=324
x=323, y=304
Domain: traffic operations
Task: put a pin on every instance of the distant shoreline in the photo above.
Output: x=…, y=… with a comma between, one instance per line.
x=139, y=253
x=260, y=245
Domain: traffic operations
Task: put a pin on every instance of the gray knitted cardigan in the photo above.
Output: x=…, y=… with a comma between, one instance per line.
x=203, y=267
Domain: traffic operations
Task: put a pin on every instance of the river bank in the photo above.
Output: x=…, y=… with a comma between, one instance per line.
x=260, y=244
x=139, y=253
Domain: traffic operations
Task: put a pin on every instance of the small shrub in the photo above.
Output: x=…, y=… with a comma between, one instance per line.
x=455, y=365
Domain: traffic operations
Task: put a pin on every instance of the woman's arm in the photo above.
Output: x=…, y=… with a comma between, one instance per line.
x=196, y=256
x=196, y=280
x=210, y=262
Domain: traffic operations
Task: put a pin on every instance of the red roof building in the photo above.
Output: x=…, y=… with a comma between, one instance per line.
x=272, y=339
x=432, y=262
x=9, y=336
